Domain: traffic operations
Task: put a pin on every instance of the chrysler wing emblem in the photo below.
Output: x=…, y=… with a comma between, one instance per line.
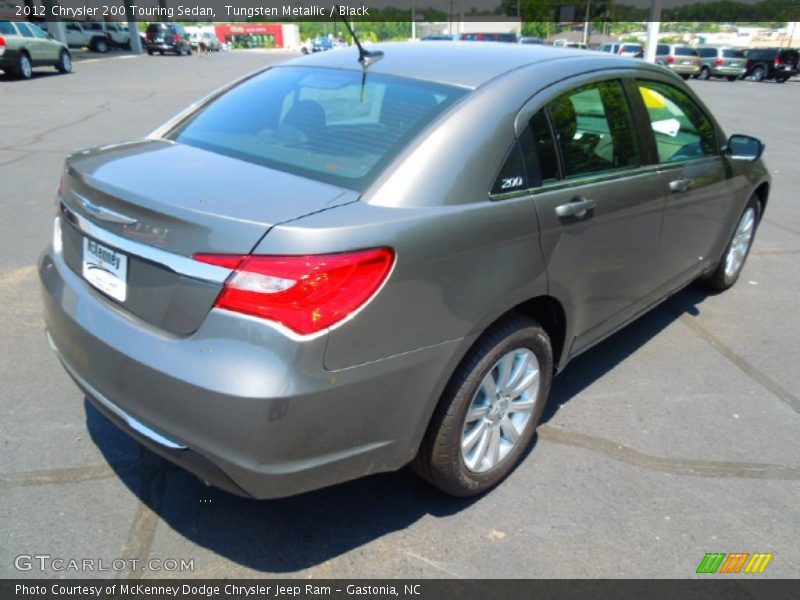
x=102, y=213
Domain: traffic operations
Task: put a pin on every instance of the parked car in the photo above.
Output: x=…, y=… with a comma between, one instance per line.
x=321, y=44
x=209, y=39
x=167, y=37
x=439, y=38
x=777, y=64
x=489, y=37
x=24, y=46
x=287, y=286
x=119, y=34
x=682, y=60
x=85, y=35
x=628, y=49
x=721, y=62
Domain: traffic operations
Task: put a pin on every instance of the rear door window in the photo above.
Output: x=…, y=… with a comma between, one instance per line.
x=681, y=130
x=7, y=28
x=732, y=54
x=25, y=30
x=681, y=51
x=594, y=129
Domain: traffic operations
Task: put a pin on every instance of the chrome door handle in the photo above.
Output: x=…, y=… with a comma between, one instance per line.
x=681, y=185
x=577, y=207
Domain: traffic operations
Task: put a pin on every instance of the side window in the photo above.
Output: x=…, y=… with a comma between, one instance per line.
x=7, y=28
x=539, y=151
x=37, y=32
x=25, y=30
x=594, y=129
x=512, y=174
x=681, y=130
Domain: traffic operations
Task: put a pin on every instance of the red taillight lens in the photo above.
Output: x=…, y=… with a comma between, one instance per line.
x=304, y=293
x=719, y=61
x=778, y=62
x=176, y=38
x=2, y=42
x=670, y=60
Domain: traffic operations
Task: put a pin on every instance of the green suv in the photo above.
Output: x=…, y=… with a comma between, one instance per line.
x=24, y=46
x=721, y=62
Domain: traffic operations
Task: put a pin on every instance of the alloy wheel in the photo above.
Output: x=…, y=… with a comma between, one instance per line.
x=740, y=243
x=500, y=410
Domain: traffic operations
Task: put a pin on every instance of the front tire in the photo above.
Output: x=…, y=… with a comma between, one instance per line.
x=705, y=74
x=736, y=252
x=64, y=63
x=100, y=45
x=490, y=409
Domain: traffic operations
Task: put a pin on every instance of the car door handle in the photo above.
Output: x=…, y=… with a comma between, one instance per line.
x=681, y=185
x=577, y=207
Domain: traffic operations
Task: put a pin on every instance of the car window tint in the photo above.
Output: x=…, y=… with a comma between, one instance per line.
x=539, y=151
x=594, y=129
x=25, y=30
x=733, y=54
x=681, y=130
x=511, y=177
x=37, y=32
x=7, y=28
x=681, y=51
x=662, y=49
x=334, y=126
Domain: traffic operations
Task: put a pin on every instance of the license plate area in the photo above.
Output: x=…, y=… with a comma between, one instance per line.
x=105, y=269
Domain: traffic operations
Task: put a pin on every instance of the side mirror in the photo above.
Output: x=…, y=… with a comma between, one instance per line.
x=744, y=147
x=50, y=35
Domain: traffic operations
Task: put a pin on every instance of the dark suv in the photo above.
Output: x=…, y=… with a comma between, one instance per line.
x=167, y=37
x=771, y=63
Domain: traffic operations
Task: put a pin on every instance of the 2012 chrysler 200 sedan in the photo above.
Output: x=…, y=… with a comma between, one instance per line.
x=331, y=269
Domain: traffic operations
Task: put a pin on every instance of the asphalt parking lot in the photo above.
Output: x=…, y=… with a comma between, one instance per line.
x=676, y=437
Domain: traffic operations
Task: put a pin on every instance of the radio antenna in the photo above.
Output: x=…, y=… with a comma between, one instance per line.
x=365, y=57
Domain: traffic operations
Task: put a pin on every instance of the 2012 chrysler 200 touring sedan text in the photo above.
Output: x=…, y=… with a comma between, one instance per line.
x=328, y=270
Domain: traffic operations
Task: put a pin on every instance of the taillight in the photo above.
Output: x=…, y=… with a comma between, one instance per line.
x=778, y=62
x=670, y=59
x=719, y=61
x=2, y=44
x=304, y=293
x=176, y=38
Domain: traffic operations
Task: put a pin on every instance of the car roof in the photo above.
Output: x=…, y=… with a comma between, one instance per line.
x=463, y=64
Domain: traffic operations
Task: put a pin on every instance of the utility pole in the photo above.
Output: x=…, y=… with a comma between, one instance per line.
x=586, y=23
x=652, y=31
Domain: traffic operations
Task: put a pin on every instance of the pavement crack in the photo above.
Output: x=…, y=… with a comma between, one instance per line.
x=432, y=563
x=782, y=226
x=675, y=466
x=139, y=542
x=749, y=369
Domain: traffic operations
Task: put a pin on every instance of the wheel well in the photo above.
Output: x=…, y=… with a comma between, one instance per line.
x=762, y=192
x=548, y=312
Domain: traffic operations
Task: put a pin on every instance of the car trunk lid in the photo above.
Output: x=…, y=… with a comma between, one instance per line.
x=157, y=204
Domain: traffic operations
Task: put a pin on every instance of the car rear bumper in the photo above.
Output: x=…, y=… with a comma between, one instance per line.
x=8, y=59
x=727, y=71
x=685, y=69
x=239, y=403
x=162, y=47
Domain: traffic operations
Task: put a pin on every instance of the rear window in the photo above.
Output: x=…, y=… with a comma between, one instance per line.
x=662, y=49
x=631, y=48
x=155, y=28
x=326, y=124
x=732, y=54
x=7, y=28
x=681, y=51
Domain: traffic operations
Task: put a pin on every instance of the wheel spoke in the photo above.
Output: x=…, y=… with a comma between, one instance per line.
x=469, y=441
x=522, y=406
x=527, y=383
x=504, y=368
x=509, y=430
x=489, y=386
x=520, y=367
x=493, y=453
x=477, y=412
x=480, y=452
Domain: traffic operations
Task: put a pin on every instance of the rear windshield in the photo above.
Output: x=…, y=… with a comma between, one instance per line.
x=326, y=124
x=631, y=48
x=733, y=54
x=680, y=51
x=155, y=27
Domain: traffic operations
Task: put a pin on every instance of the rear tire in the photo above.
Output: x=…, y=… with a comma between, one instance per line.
x=705, y=74
x=782, y=79
x=484, y=424
x=100, y=45
x=732, y=78
x=24, y=68
x=64, y=63
x=759, y=73
x=730, y=266
x=685, y=77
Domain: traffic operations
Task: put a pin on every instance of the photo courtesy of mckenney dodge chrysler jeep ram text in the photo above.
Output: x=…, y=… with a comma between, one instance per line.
x=336, y=267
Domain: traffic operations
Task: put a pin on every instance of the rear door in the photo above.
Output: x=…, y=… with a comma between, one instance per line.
x=599, y=209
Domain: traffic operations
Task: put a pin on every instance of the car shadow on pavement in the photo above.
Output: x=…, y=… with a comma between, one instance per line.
x=288, y=535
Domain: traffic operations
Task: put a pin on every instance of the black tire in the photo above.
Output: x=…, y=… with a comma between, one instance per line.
x=24, y=67
x=64, y=64
x=161, y=52
x=782, y=78
x=440, y=459
x=704, y=74
x=100, y=45
x=150, y=52
x=685, y=77
x=759, y=73
x=718, y=279
x=732, y=78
